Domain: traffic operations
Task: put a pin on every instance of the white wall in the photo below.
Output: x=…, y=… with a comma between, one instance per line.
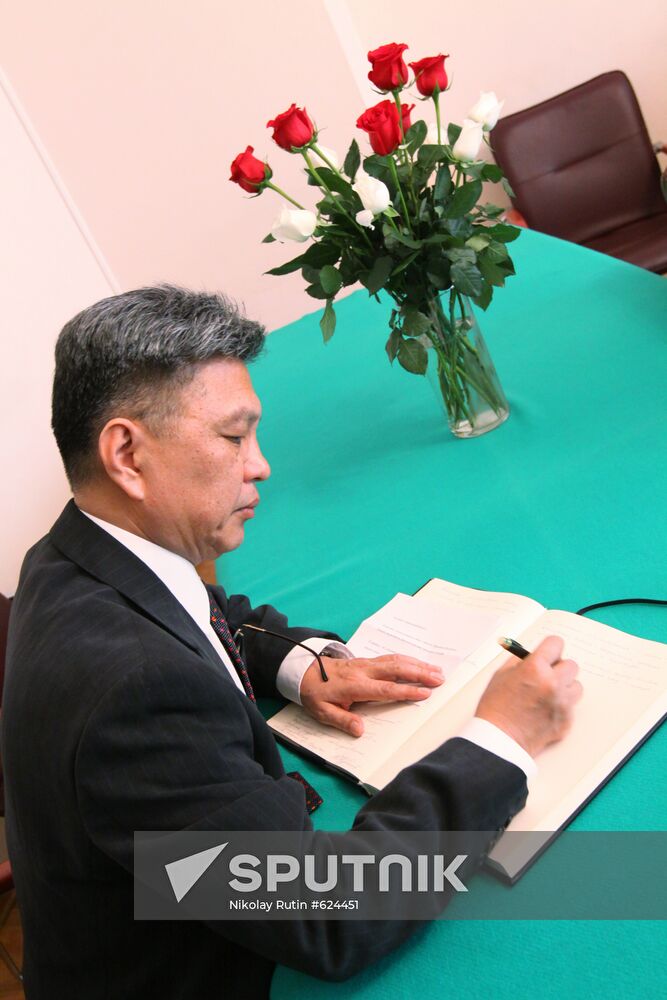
x=47, y=273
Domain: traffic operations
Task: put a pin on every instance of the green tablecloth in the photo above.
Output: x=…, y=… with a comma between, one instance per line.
x=565, y=502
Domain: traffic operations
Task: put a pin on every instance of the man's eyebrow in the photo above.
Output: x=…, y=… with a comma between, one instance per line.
x=244, y=413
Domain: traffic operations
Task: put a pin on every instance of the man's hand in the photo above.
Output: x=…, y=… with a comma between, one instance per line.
x=382, y=678
x=533, y=700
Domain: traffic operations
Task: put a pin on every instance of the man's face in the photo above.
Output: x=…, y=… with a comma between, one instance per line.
x=200, y=474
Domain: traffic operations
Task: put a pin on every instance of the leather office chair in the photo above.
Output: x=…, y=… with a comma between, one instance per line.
x=6, y=880
x=583, y=168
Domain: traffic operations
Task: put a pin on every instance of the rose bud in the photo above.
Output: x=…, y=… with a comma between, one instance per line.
x=389, y=70
x=373, y=193
x=292, y=129
x=296, y=224
x=487, y=110
x=467, y=145
x=381, y=123
x=249, y=172
x=429, y=74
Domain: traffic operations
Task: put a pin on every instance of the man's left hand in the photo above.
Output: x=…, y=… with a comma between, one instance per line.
x=382, y=678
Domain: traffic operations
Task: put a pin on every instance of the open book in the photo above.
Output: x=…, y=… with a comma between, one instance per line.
x=625, y=698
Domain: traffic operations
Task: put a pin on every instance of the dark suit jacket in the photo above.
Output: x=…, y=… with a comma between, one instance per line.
x=118, y=716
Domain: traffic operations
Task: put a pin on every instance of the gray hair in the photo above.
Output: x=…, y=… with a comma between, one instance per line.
x=130, y=355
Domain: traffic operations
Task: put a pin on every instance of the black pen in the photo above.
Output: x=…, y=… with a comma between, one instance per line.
x=514, y=647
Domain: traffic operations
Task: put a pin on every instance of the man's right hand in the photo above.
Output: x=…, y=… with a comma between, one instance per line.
x=533, y=700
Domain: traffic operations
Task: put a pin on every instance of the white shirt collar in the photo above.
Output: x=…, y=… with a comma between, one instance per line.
x=175, y=572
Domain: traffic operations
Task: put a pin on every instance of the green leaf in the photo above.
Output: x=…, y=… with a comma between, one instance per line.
x=415, y=136
x=461, y=255
x=395, y=234
x=413, y=357
x=269, y=239
x=332, y=180
x=478, y=242
x=473, y=170
x=453, y=132
x=492, y=172
x=393, y=344
x=310, y=274
x=414, y=322
x=429, y=155
x=460, y=229
x=405, y=263
x=484, y=298
x=317, y=292
x=464, y=199
x=352, y=160
x=330, y=279
x=319, y=254
x=376, y=278
x=443, y=183
x=491, y=211
x=328, y=321
x=496, y=252
x=507, y=187
x=378, y=166
x=503, y=232
x=466, y=278
x=490, y=271
x=437, y=272
x=290, y=265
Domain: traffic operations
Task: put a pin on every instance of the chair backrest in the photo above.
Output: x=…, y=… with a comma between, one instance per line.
x=5, y=608
x=581, y=164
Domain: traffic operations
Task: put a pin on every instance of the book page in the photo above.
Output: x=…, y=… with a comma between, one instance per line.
x=513, y=611
x=428, y=630
x=625, y=685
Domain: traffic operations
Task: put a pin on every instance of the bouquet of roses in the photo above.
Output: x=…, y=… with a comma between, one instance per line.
x=407, y=218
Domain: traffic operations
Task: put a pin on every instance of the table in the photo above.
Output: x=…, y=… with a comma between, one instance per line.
x=565, y=502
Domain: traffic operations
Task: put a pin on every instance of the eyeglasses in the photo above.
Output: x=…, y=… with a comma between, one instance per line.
x=239, y=639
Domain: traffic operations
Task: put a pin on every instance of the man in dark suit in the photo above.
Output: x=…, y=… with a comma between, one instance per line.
x=127, y=706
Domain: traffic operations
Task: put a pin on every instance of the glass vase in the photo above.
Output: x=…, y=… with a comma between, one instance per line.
x=461, y=371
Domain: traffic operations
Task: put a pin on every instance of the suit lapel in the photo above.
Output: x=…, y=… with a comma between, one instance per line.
x=105, y=559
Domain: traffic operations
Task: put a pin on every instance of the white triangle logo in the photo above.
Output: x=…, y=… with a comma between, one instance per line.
x=186, y=871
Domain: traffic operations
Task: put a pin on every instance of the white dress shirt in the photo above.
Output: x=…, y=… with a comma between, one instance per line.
x=181, y=578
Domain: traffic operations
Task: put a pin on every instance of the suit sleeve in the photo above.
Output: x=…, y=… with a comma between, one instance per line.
x=263, y=653
x=170, y=747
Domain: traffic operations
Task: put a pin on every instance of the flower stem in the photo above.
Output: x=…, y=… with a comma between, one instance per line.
x=436, y=101
x=274, y=187
x=392, y=167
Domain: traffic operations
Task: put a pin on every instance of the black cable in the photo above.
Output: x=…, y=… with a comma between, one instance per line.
x=626, y=600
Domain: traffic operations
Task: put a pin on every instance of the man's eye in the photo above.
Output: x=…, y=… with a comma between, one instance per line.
x=234, y=438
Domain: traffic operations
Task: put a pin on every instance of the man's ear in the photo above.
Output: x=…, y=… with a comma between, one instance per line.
x=120, y=448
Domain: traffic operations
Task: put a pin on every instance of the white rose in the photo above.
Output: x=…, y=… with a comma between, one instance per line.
x=331, y=155
x=467, y=145
x=365, y=218
x=487, y=110
x=294, y=224
x=373, y=193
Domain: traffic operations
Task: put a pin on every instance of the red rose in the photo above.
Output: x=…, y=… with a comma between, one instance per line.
x=389, y=70
x=381, y=123
x=293, y=128
x=429, y=74
x=249, y=172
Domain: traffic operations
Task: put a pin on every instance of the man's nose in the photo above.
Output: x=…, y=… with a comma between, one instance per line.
x=257, y=466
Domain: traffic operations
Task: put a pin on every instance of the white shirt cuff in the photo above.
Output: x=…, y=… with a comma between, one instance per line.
x=493, y=739
x=297, y=661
